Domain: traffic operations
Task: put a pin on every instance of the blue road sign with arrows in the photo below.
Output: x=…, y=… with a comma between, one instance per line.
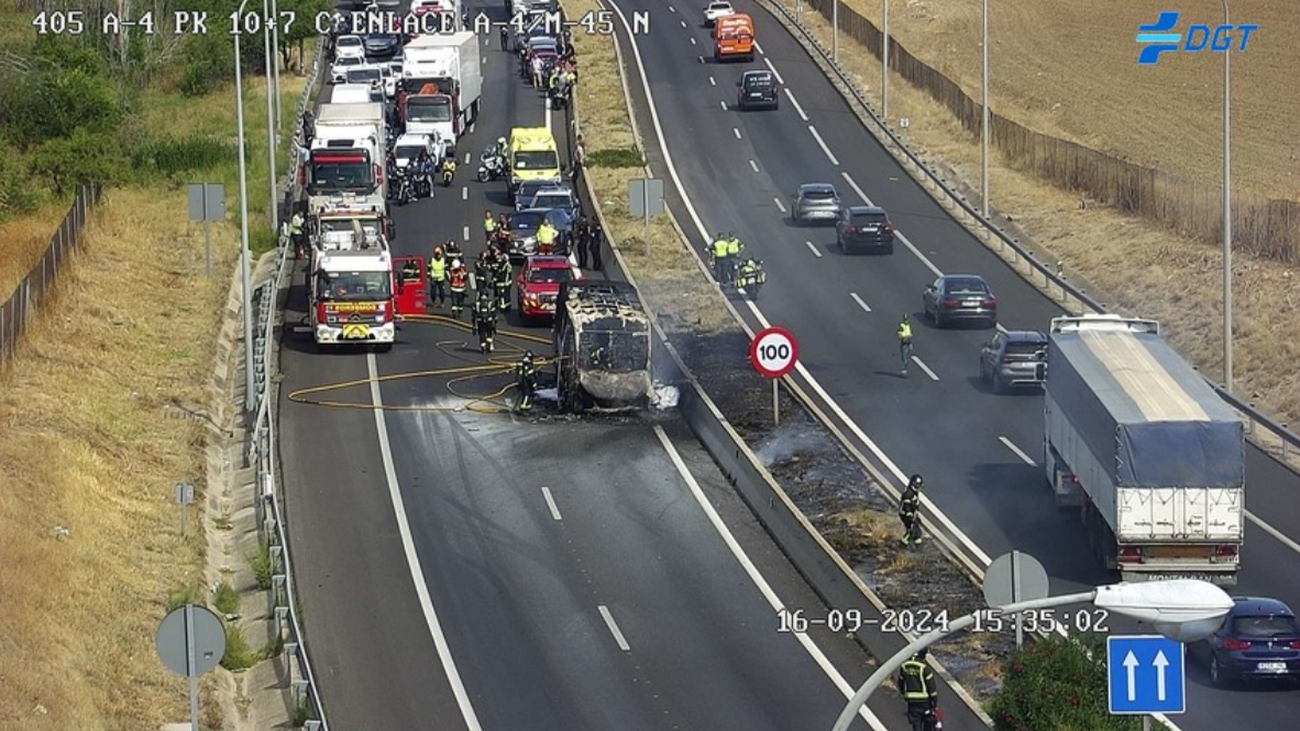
x=1145, y=674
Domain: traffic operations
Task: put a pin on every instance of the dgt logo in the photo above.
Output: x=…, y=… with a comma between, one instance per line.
x=1159, y=39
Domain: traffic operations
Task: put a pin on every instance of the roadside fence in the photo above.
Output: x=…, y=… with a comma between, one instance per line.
x=306, y=707
x=28, y=295
x=1267, y=227
x=1272, y=436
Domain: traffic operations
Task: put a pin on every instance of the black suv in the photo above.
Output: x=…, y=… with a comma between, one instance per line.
x=864, y=228
x=757, y=89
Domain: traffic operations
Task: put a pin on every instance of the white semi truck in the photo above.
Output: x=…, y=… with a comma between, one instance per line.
x=347, y=155
x=1139, y=443
x=442, y=84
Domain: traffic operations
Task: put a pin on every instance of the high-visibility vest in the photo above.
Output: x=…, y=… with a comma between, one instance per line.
x=720, y=248
x=905, y=332
x=438, y=269
x=295, y=225
x=489, y=224
x=733, y=246
x=458, y=280
x=916, y=681
x=546, y=235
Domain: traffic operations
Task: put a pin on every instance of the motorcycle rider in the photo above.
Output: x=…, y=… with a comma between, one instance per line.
x=425, y=172
x=485, y=320
x=448, y=171
x=734, y=249
x=502, y=149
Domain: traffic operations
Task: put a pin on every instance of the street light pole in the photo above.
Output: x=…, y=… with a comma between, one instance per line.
x=275, y=67
x=273, y=209
x=884, y=63
x=250, y=383
x=1184, y=610
x=1227, y=214
x=835, y=31
x=984, y=116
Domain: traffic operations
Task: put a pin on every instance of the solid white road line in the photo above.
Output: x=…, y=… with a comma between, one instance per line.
x=775, y=73
x=613, y=628
x=413, y=558
x=1273, y=532
x=464, y=233
x=737, y=131
x=790, y=95
x=856, y=189
x=816, y=251
x=755, y=575
x=858, y=299
x=753, y=165
x=550, y=503
x=920, y=363
x=712, y=82
x=464, y=192
x=703, y=232
x=1017, y=451
x=724, y=105
x=822, y=144
x=779, y=204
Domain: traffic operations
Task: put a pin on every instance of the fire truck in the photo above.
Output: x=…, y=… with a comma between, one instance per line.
x=358, y=290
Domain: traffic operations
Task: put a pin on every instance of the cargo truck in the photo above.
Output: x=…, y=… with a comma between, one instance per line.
x=602, y=346
x=347, y=156
x=442, y=82
x=1144, y=449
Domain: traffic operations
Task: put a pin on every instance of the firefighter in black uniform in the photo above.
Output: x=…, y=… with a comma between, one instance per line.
x=917, y=686
x=485, y=319
x=527, y=381
x=502, y=280
x=909, y=511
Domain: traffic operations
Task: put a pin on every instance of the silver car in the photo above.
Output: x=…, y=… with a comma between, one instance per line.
x=815, y=202
x=1014, y=358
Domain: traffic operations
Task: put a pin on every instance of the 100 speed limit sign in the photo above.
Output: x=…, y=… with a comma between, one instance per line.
x=774, y=352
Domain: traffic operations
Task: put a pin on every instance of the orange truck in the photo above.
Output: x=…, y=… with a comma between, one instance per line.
x=733, y=38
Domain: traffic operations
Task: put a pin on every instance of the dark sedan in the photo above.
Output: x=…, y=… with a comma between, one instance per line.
x=523, y=227
x=382, y=45
x=960, y=297
x=1258, y=640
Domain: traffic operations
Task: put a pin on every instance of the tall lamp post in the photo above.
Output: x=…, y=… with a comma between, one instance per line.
x=250, y=382
x=835, y=31
x=984, y=114
x=270, y=31
x=1181, y=609
x=1227, y=213
x=884, y=62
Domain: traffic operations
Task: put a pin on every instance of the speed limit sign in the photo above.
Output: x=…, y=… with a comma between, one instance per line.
x=773, y=352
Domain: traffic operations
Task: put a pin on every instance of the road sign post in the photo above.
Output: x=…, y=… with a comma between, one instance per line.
x=1012, y=578
x=184, y=496
x=1145, y=674
x=207, y=203
x=191, y=641
x=645, y=198
x=774, y=353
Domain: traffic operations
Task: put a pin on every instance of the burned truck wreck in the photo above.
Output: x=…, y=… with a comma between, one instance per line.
x=602, y=346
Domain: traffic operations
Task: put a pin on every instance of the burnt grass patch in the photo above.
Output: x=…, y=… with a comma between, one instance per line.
x=842, y=501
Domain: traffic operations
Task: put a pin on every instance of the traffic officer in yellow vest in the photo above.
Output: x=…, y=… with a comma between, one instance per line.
x=489, y=226
x=734, y=248
x=720, y=265
x=909, y=511
x=437, y=277
x=904, y=343
x=457, y=278
x=526, y=373
x=546, y=235
x=917, y=686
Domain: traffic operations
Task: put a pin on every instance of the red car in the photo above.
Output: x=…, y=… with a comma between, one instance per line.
x=538, y=284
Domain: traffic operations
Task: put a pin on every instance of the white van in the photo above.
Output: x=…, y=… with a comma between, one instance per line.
x=355, y=94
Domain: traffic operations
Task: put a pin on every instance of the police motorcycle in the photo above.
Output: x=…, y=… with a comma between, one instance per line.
x=559, y=96
x=750, y=278
x=491, y=166
x=422, y=173
x=402, y=186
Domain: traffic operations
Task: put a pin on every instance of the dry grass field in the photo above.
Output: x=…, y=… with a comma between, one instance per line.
x=23, y=241
x=90, y=451
x=1133, y=265
x=1070, y=69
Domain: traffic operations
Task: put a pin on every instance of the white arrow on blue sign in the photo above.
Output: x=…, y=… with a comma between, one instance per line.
x=1145, y=674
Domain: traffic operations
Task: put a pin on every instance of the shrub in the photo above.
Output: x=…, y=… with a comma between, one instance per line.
x=1054, y=685
x=263, y=569
x=226, y=599
x=618, y=157
x=182, y=595
x=51, y=105
x=82, y=157
x=171, y=156
x=239, y=656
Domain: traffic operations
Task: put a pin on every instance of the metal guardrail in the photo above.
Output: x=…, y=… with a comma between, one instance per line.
x=1290, y=440
x=306, y=707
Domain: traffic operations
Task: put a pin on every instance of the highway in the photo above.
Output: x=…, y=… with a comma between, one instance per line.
x=977, y=450
x=466, y=569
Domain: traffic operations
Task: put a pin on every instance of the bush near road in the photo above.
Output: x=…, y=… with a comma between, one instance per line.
x=1056, y=684
x=95, y=433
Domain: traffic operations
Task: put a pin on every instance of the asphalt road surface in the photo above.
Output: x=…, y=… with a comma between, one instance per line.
x=978, y=451
x=464, y=569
